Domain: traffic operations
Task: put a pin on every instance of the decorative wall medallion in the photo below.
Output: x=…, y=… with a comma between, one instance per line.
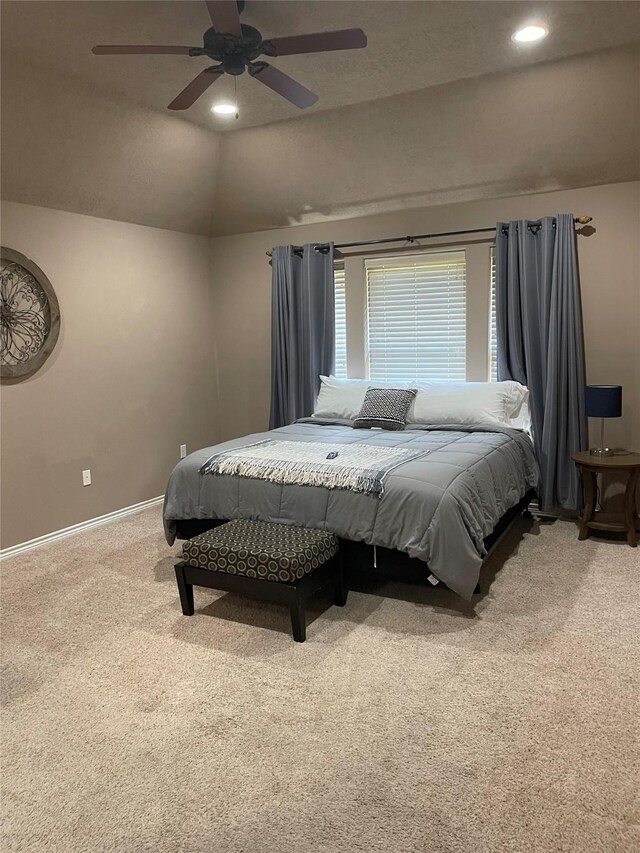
x=29, y=316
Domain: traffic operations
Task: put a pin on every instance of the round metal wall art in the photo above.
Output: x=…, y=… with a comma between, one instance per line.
x=29, y=316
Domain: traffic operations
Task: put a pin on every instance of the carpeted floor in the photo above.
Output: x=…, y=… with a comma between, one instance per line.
x=407, y=723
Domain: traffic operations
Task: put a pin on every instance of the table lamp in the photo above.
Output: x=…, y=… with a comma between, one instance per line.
x=603, y=401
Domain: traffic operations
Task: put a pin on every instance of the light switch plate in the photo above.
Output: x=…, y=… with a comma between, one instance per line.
x=86, y=477
x=183, y=451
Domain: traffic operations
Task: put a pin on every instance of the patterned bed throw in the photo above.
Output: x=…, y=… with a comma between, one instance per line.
x=355, y=467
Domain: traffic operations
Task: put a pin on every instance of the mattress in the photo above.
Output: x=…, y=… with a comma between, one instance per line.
x=437, y=507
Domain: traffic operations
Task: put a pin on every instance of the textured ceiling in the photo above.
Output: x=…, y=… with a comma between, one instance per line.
x=68, y=147
x=440, y=107
x=412, y=45
x=569, y=123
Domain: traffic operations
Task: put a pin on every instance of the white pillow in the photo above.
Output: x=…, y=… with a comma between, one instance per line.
x=340, y=398
x=520, y=416
x=504, y=403
x=343, y=398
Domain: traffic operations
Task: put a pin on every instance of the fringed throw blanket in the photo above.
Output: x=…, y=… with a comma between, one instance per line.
x=356, y=467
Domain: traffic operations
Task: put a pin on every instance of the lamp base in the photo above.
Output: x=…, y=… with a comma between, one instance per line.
x=601, y=451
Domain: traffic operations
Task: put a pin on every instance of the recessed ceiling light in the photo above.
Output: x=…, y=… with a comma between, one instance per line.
x=224, y=109
x=532, y=32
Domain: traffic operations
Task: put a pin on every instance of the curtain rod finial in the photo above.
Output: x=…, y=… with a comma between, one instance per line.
x=583, y=220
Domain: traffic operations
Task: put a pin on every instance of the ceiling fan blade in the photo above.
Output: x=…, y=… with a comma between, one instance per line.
x=224, y=16
x=192, y=92
x=319, y=42
x=113, y=49
x=283, y=84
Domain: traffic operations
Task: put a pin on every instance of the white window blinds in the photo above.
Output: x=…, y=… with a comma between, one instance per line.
x=340, y=368
x=493, y=340
x=417, y=317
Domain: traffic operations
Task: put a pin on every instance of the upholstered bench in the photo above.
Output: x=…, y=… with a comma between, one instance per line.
x=274, y=562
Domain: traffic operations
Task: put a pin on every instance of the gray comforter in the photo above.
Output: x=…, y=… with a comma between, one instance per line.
x=438, y=507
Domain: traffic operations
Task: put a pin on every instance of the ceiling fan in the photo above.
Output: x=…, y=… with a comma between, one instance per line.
x=237, y=46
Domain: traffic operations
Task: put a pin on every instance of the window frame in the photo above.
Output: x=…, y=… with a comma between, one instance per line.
x=478, y=303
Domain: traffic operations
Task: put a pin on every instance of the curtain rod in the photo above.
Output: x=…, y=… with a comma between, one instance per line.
x=578, y=220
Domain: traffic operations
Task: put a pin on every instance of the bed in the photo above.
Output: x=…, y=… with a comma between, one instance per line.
x=441, y=508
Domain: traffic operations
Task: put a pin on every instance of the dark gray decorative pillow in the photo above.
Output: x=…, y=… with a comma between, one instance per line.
x=385, y=408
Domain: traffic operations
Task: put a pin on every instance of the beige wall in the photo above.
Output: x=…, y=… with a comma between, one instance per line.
x=609, y=264
x=135, y=373
x=131, y=377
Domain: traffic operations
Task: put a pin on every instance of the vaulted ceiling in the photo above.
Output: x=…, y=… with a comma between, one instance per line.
x=93, y=134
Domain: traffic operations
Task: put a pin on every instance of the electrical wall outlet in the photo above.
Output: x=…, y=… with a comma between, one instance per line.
x=183, y=451
x=86, y=477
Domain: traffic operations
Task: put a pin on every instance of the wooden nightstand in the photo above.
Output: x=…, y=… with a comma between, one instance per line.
x=622, y=522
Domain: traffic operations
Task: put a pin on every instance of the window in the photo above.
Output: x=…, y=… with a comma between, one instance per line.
x=493, y=338
x=340, y=368
x=417, y=317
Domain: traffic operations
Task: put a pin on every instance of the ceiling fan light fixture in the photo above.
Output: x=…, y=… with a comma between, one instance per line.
x=236, y=47
x=530, y=33
x=224, y=109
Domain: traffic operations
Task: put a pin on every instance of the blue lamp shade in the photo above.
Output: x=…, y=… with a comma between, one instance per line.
x=603, y=401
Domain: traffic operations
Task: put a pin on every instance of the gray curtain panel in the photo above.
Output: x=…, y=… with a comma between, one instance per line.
x=302, y=329
x=540, y=343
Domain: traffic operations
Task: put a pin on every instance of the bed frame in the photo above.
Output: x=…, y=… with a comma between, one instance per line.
x=386, y=562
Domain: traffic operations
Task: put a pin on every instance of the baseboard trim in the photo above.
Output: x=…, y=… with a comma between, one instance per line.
x=116, y=515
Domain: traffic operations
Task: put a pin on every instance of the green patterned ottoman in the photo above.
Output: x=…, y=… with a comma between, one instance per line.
x=275, y=562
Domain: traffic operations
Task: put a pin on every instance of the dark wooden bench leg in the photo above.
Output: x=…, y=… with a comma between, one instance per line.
x=341, y=586
x=298, y=621
x=186, y=592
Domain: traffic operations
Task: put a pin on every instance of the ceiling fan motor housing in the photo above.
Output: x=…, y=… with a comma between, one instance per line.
x=234, y=53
